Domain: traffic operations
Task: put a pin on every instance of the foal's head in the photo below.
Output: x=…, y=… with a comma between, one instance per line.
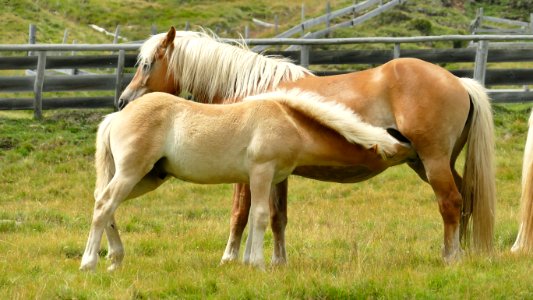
x=152, y=69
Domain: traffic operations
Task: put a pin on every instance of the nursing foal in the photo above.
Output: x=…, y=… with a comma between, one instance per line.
x=259, y=142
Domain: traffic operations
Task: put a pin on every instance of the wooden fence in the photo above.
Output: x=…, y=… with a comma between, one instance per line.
x=304, y=27
x=126, y=57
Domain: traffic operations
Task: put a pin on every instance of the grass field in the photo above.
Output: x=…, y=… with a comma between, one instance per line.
x=377, y=239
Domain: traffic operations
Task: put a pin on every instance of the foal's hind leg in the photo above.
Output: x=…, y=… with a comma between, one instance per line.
x=115, y=192
x=115, y=248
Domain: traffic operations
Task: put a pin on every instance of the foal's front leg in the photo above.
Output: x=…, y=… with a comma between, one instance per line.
x=260, y=186
x=278, y=218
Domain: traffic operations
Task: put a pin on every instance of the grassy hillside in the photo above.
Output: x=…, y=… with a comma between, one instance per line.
x=228, y=18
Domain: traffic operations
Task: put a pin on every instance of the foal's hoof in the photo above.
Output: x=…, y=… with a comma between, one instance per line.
x=228, y=259
x=87, y=268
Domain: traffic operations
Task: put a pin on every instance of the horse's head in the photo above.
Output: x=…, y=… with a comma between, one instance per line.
x=152, y=72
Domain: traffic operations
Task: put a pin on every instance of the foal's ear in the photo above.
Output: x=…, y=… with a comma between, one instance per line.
x=169, y=39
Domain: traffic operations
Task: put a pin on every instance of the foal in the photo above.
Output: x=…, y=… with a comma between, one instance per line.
x=161, y=136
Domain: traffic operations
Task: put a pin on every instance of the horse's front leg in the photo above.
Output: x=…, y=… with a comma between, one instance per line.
x=239, y=218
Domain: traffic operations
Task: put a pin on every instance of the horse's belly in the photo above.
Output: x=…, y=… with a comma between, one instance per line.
x=342, y=174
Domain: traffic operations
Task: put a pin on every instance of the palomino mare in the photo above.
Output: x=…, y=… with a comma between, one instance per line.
x=422, y=103
x=161, y=136
x=524, y=240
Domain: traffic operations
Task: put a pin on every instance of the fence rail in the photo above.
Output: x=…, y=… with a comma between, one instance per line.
x=41, y=82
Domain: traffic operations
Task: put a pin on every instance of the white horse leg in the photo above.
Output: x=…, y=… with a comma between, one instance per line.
x=518, y=243
x=260, y=187
x=248, y=248
x=104, y=208
x=115, y=248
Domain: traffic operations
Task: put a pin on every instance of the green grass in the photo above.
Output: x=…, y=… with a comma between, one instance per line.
x=229, y=18
x=377, y=239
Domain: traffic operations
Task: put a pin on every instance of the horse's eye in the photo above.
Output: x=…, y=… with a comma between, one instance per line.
x=146, y=67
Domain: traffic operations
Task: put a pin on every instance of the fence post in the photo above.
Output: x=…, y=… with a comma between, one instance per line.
x=187, y=26
x=396, y=51
x=246, y=31
x=153, y=29
x=31, y=37
x=480, y=66
x=328, y=12
x=38, y=86
x=303, y=19
x=117, y=32
x=531, y=23
x=304, y=55
x=119, y=75
x=276, y=24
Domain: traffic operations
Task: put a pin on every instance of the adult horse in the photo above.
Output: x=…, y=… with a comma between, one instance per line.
x=161, y=136
x=524, y=239
x=422, y=103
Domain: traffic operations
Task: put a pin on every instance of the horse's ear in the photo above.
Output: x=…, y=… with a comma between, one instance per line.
x=169, y=39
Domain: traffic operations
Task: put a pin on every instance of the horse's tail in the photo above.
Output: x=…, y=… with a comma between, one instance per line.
x=524, y=240
x=104, y=163
x=337, y=117
x=478, y=185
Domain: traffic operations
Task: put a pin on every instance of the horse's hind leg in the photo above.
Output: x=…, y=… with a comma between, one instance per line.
x=239, y=218
x=441, y=179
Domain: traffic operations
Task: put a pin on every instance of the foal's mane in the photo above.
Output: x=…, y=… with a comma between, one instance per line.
x=335, y=116
x=210, y=69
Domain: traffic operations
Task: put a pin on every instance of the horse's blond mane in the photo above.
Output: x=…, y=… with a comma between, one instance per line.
x=335, y=116
x=210, y=69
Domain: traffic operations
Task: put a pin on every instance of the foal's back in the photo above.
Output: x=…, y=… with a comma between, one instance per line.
x=209, y=143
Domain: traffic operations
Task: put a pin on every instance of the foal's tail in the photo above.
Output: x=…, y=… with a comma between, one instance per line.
x=104, y=163
x=524, y=240
x=478, y=186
